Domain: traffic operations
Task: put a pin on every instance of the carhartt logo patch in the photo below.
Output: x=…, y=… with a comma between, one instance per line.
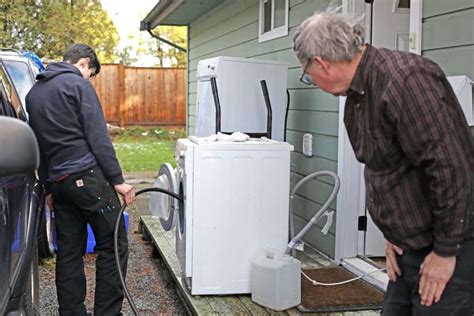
x=79, y=183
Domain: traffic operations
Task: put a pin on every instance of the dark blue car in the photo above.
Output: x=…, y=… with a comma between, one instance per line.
x=25, y=222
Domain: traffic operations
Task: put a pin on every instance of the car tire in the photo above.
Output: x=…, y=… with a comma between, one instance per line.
x=46, y=234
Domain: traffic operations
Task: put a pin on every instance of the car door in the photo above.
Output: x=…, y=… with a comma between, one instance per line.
x=18, y=206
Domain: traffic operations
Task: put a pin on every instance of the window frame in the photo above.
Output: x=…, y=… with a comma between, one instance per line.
x=274, y=32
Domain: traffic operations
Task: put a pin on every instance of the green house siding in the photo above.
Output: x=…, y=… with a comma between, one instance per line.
x=448, y=36
x=232, y=30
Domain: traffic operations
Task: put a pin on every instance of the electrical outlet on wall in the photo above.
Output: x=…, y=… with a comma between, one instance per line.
x=308, y=145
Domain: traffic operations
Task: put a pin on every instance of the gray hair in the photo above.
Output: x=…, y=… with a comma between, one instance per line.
x=329, y=35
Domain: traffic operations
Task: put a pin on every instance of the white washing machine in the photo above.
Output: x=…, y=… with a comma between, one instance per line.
x=236, y=198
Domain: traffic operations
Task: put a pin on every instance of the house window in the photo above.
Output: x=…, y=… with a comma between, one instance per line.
x=401, y=6
x=273, y=21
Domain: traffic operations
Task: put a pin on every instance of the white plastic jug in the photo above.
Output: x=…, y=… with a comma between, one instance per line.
x=275, y=280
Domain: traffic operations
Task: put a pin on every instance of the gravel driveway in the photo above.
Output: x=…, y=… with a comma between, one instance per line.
x=151, y=292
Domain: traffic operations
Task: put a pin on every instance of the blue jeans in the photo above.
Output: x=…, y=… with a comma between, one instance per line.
x=402, y=296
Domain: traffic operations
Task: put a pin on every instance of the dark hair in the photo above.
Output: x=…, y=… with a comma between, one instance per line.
x=78, y=51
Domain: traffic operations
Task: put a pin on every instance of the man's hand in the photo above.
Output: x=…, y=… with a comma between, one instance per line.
x=435, y=273
x=126, y=191
x=391, y=252
x=49, y=201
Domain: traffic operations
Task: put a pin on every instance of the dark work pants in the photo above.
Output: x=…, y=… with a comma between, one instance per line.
x=402, y=296
x=86, y=197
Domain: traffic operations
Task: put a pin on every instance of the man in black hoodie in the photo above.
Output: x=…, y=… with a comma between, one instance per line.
x=80, y=170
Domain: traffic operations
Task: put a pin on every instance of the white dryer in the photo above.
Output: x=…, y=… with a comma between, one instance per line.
x=236, y=198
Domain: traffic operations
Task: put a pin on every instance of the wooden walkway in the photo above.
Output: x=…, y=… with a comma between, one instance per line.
x=164, y=242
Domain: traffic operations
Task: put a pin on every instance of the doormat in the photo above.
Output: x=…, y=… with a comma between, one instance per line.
x=353, y=296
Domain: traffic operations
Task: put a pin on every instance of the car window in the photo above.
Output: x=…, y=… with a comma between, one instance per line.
x=11, y=95
x=21, y=76
x=6, y=109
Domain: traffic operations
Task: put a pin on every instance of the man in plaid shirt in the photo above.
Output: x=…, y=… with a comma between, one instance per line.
x=406, y=125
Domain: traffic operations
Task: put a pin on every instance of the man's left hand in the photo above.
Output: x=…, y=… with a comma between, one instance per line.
x=435, y=273
x=127, y=192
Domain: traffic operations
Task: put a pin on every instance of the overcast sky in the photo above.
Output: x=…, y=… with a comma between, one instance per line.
x=126, y=16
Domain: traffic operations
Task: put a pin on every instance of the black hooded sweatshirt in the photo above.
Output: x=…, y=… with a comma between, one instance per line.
x=67, y=118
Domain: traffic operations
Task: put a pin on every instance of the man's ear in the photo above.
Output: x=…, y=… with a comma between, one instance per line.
x=83, y=62
x=325, y=65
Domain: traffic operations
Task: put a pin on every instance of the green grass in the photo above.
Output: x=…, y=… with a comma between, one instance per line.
x=145, y=149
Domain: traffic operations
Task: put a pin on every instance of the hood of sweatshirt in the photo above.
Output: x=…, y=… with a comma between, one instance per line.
x=55, y=69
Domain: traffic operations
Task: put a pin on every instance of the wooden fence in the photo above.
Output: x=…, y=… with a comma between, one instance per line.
x=142, y=96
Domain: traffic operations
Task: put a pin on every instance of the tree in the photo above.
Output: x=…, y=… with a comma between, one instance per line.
x=18, y=23
x=126, y=56
x=166, y=53
x=48, y=27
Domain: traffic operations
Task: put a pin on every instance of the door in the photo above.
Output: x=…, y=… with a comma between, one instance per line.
x=389, y=21
x=390, y=29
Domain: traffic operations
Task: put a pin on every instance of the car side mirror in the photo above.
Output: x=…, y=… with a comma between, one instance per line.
x=19, y=151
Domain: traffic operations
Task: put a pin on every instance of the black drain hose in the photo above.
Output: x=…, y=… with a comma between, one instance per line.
x=117, y=224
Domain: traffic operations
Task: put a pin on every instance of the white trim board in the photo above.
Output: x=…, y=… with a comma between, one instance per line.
x=416, y=15
x=360, y=267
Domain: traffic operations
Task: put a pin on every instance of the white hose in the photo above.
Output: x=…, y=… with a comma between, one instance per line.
x=317, y=216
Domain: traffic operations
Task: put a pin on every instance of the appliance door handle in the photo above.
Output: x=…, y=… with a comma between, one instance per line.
x=266, y=97
x=217, y=103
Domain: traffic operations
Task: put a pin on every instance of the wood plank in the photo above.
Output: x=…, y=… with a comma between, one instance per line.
x=449, y=30
x=314, y=237
x=325, y=123
x=231, y=39
x=299, y=12
x=222, y=305
x=181, y=99
x=121, y=96
x=437, y=7
x=219, y=16
x=247, y=16
x=192, y=109
x=254, y=309
x=313, y=259
x=153, y=227
x=324, y=146
x=454, y=61
x=316, y=191
x=283, y=54
x=306, y=209
x=306, y=165
x=312, y=99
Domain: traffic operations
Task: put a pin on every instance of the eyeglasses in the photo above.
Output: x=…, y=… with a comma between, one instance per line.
x=305, y=78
